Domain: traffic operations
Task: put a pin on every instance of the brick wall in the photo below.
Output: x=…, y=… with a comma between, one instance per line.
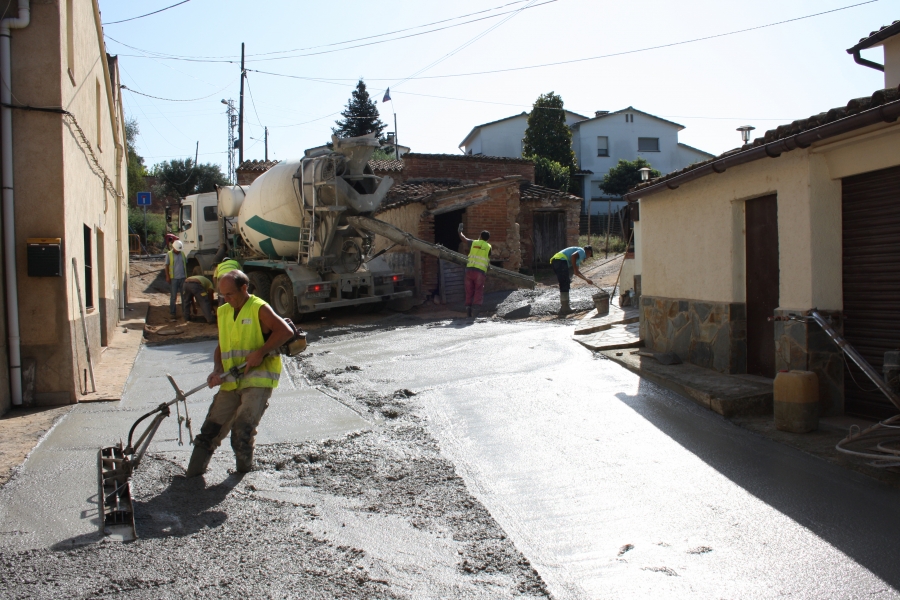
x=465, y=168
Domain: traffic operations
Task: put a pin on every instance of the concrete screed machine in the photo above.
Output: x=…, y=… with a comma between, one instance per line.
x=303, y=233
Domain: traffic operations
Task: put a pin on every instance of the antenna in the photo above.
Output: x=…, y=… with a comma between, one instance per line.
x=231, y=113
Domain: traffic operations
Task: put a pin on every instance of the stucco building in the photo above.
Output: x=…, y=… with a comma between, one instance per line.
x=503, y=137
x=66, y=189
x=807, y=216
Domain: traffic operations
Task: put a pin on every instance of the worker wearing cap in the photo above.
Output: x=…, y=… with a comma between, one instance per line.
x=565, y=264
x=226, y=266
x=198, y=290
x=176, y=273
x=476, y=270
x=249, y=331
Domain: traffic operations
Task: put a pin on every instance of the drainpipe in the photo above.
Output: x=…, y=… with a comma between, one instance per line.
x=865, y=62
x=9, y=213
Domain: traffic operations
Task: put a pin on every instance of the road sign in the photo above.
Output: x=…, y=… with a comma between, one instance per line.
x=143, y=199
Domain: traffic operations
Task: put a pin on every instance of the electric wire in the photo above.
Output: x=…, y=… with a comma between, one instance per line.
x=179, y=99
x=148, y=14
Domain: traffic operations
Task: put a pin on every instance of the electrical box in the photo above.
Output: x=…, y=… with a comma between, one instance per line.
x=44, y=257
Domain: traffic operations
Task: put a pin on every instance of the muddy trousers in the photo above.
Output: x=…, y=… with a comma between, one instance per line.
x=561, y=270
x=195, y=292
x=237, y=412
x=474, y=286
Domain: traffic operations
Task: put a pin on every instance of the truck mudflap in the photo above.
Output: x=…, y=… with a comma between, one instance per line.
x=366, y=300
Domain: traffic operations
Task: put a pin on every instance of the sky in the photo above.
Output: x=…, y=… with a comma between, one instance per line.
x=304, y=59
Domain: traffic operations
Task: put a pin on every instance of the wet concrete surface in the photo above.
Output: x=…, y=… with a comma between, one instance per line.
x=501, y=459
x=543, y=302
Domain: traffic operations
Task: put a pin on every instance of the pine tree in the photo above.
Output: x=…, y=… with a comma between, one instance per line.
x=360, y=116
x=548, y=136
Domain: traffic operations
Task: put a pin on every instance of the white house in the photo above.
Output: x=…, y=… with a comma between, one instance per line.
x=598, y=142
x=504, y=137
x=627, y=134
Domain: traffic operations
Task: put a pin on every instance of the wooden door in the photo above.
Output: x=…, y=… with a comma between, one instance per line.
x=549, y=236
x=761, y=215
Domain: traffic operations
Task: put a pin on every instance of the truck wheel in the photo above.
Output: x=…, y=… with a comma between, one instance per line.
x=282, y=298
x=260, y=282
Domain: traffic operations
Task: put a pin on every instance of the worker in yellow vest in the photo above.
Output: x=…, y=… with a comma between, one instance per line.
x=249, y=331
x=176, y=272
x=198, y=293
x=476, y=270
x=226, y=266
x=565, y=264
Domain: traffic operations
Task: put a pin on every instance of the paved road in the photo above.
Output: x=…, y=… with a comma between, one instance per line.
x=614, y=488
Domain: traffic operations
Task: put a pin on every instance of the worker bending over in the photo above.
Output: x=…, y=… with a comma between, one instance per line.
x=198, y=292
x=476, y=270
x=561, y=263
x=249, y=330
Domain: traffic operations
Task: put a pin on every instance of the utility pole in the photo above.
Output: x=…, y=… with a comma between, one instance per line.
x=196, y=153
x=266, y=130
x=396, y=143
x=241, y=113
x=232, y=123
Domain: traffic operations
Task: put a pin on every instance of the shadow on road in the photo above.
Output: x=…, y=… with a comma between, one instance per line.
x=855, y=514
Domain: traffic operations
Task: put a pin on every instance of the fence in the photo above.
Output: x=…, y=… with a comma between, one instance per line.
x=598, y=223
x=134, y=243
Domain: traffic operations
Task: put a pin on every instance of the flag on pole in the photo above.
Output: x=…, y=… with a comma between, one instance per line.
x=387, y=96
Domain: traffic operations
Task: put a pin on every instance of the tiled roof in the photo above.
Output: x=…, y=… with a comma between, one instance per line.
x=784, y=132
x=429, y=190
x=479, y=157
x=630, y=109
x=529, y=192
x=877, y=36
x=386, y=165
x=256, y=165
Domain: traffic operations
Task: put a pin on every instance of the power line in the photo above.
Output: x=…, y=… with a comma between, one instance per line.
x=258, y=120
x=177, y=99
x=148, y=14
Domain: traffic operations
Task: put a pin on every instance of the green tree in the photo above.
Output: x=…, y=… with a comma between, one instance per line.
x=548, y=136
x=360, y=116
x=550, y=173
x=135, y=169
x=181, y=178
x=625, y=176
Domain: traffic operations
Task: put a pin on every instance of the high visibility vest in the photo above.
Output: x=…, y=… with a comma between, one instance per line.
x=206, y=283
x=238, y=338
x=171, y=266
x=226, y=266
x=562, y=256
x=479, y=256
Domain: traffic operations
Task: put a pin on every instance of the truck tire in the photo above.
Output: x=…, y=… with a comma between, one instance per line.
x=282, y=298
x=260, y=283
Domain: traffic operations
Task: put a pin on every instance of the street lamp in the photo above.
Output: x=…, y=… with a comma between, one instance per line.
x=745, y=132
x=645, y=173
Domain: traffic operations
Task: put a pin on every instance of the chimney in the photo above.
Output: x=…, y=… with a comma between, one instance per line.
x=600, y=113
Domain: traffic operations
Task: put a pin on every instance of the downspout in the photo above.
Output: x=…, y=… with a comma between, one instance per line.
x=9, y=213
x=866, y=63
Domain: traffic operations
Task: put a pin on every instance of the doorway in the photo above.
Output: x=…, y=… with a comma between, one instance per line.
x=446, y=230
x=762, y=279
x=549, y=236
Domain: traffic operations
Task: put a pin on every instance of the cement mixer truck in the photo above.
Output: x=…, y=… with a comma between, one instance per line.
x=303, y=232
x=289, y=231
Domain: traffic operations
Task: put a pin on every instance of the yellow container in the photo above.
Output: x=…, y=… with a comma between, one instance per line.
x=796, y=401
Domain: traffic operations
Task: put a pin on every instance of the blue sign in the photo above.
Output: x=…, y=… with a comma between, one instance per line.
x=143, y=199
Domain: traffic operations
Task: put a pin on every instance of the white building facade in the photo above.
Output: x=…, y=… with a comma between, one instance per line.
x=599, y=143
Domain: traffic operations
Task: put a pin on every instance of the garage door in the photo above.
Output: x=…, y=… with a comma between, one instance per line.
x=871, y=276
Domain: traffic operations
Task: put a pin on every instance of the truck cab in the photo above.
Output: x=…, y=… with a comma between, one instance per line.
x=196, y=222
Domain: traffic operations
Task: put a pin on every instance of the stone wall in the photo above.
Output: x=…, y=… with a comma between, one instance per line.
x=712, y=335
x=802, y=345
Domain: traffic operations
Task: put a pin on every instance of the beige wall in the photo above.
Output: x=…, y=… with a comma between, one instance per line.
x=59, y=190
x=892, y=62
x=691, y=240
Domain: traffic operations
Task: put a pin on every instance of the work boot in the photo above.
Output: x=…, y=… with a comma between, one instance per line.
x=564, y=304
x=473, y=312
x=243, y=463
x=199, y=461
x=468, y=311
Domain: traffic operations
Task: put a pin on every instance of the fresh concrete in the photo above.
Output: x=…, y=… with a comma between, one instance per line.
x=52, y=500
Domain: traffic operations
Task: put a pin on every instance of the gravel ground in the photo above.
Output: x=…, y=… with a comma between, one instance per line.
x=376, y=514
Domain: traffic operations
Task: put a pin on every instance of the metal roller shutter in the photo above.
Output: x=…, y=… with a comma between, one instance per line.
x=871, y=281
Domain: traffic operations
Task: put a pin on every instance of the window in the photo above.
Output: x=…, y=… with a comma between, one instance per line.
x=629, y=118
x=88, y=270
x=648, y=144
x=602, y=145
x=210, y=213
x=70, y=39
x=99, y=113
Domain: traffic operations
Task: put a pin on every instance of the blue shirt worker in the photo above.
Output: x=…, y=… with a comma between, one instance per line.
x=476, y=270
x=176, y=273
x=565, y=264
x=249, y=332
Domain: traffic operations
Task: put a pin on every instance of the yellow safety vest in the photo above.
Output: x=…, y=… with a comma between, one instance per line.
x=562, y=256
x=479, y=256
x=238, y=338
x=206, y=283
x=226, y=266
x=171, y=266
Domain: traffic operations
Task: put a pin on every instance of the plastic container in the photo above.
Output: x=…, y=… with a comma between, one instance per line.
x=796, y=401
x=601, y=302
